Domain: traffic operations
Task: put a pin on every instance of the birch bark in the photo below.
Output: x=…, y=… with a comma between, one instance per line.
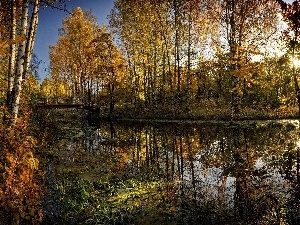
x=31, y=35
x=12, y=58
x=16, y=91
x=19, y=67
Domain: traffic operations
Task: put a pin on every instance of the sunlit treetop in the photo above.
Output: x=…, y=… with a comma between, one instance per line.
x=291, y=13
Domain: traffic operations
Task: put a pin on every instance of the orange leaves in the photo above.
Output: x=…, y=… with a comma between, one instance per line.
x=19, y=190
x=91, y=61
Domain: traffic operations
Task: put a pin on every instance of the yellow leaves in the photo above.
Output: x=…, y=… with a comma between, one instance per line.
x=249, y=49
x=32, y=162
x=237, y=89
x=18, y=39
x=77, y=49
x=5, y=44
x=19, y=191
x=47, y=88
x=89, y=58
x=31, y=87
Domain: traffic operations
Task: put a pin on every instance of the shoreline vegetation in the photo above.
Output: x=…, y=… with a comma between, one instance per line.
x=209, y=116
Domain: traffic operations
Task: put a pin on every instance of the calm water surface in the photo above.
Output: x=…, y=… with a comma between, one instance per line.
x=247, y=172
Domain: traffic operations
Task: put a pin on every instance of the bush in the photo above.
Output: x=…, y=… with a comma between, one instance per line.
x=19, y=190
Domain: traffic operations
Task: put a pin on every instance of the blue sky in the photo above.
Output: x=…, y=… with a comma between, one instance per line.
x=50, y=20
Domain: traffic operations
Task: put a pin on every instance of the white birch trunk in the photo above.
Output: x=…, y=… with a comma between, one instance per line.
x=24, y=55
x=31, y=35
x=12, y=58
x=16, y=92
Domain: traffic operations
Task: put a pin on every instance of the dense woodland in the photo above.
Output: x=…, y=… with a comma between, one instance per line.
x=180, y=59
x=157, y=59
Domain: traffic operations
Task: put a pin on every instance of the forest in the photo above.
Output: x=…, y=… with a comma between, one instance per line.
x=136, y=116
x=181, y=59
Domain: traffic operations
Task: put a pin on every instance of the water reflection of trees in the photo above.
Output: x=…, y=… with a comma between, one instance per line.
x=222, y=172
x=250, y=171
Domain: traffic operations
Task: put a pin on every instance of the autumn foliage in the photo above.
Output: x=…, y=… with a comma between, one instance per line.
x=19, y=189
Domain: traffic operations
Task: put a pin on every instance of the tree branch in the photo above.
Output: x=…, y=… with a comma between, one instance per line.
x=53, y=6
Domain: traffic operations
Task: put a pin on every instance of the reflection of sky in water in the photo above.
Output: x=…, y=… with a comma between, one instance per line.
x=210, y=181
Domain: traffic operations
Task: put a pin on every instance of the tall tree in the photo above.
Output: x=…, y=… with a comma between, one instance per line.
x=74, y=46
x=23, y=21
x=291, y=14
x=111, y=66
x=92, y=64
x=245, y=34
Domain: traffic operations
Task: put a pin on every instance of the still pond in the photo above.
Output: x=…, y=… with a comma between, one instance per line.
x=174, y=173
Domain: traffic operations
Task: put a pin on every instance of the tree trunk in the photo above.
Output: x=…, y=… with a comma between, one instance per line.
x=189, y=78
x=297, y=90
x=16, y=91
x=296, y=84
x=12, y=58
x=112, y=99
x=233, y=55
x=176, y=53
x=23, y=57
x=31, y=35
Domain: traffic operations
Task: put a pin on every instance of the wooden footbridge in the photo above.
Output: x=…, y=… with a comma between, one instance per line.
x=65, y=104
x=69, y=106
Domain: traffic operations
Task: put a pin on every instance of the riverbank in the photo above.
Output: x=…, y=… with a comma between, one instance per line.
x=206, y=114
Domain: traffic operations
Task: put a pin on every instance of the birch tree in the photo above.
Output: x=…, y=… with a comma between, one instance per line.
x=23, y=22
